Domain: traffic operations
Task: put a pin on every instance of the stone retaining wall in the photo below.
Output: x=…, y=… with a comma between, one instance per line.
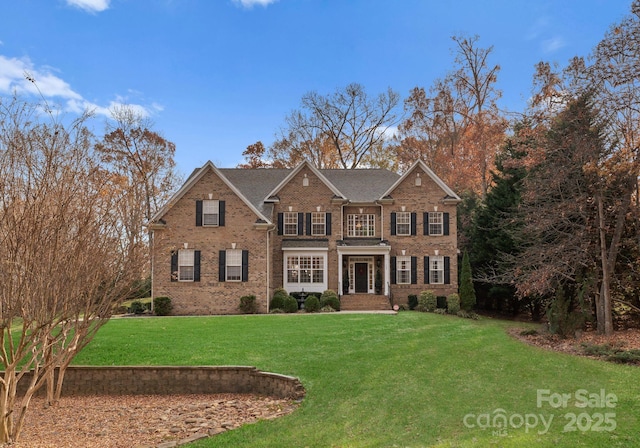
x=168, y=380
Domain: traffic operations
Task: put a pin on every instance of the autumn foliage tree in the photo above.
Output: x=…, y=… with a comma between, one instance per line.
x=66, y=258
x=456, y=126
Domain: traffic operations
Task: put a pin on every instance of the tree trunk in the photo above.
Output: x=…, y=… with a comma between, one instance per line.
x=605, y=321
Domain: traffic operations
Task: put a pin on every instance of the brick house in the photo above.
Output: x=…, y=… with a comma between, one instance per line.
x=371, y=235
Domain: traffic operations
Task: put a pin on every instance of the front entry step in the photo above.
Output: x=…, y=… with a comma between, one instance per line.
x=364, y=302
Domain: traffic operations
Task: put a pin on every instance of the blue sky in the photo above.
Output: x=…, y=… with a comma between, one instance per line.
x=218, y=75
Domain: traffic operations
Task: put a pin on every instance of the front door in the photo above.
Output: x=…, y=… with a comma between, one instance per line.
x=362, y=278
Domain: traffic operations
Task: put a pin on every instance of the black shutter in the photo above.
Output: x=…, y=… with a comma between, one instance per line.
x=426, y=270
x=245, y=265
x=414, y=270
x=445, y=223
x=280, y=224
x=300, y=223
x=425, y=223
x=413, y=223
x=393, y=223
x=328, y=223
x=447, y=268
x=393, y=270
x=222, y=265
x=198, y=213
x=221, y=213
x=174, y=265
x=308, y=219
x=196, y=265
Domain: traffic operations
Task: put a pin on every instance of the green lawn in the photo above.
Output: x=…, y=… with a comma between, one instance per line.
x=410, y=380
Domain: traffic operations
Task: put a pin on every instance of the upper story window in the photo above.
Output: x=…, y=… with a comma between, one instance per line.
x=290, y=220
x=403, y=223
x=318, y=224
x=361, y=225
x=210, y=213
x=435, y=223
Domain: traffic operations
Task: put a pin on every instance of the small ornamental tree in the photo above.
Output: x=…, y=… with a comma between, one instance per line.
x=467, y=292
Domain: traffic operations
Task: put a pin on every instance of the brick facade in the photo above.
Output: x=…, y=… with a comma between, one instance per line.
x=305, y=229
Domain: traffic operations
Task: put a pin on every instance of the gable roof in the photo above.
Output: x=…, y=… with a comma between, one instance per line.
x=196, y=175
x=256, y=186
x=450, y=194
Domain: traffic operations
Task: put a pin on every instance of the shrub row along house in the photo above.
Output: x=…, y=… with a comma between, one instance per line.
x=371, y=235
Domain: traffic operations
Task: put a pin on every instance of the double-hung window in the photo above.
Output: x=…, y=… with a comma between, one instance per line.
x=186, y=265
x=361, y=225
x=233, y=265
x=435, y=223
x=403, y=270
x=210, y=213
x=290, y=223
x=318, y=223
x=403, y=223
x=436, y=270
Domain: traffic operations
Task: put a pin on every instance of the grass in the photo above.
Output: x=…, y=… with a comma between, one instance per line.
x=387, y=381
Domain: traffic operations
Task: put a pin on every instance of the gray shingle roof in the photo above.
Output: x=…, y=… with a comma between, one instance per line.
x=361, y=185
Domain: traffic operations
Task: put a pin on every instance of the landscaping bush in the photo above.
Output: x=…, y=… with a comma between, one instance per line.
x=162, y=306
x=137, y=307
x=427, y=302
x=467, y=292
x=453, y=303
x=413, y=301
x=290, y=305
x=248, y=304
x=277, y=301
x=330, y=298
x=312, y=304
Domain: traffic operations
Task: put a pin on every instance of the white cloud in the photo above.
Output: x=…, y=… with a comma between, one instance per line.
x=90, y=5
x=20, y=76
x=251, y=3
x=553, y=44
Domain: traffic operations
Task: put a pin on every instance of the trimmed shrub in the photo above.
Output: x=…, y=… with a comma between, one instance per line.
x=290, y=305
x=312, y=304
x=277, y=301
x=427, y=302
x=137, y=307
x=162, y=306
x=248, y=304
x=413, y=301
x=453, y=303
x=331, y=299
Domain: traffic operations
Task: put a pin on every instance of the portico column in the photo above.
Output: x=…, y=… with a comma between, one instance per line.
x=387, y=274
x=339, y=273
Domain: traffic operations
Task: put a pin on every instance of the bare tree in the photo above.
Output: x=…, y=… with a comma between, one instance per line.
x=66, y=261
x=458, y=127
x=338, y=130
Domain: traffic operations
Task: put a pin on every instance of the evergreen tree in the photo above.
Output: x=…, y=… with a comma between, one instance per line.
x=467, y=292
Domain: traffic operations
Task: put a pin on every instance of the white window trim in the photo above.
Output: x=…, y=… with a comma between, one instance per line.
x=318, y=219
x=406, y=216
x=186, y=259
x=308, y=287
x=407, y=270
x=436, y=219
x=211, y=208
x=353, y=219
x=286, y=221
x=436, y=267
